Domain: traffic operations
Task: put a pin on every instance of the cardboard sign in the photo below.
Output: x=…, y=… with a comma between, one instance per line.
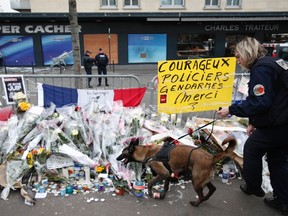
x=195, y=84
x=12, y=84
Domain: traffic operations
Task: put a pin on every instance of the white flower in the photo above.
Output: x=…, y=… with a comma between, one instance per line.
x=74, y=132
x=61, y=117
x=58, y=130
x=4, y=128
x=19, y=96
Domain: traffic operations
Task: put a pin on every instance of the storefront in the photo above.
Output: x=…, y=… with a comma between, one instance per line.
x=37, y=39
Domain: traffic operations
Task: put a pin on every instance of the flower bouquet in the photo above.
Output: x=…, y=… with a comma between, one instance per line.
x=37, y=159
x=20, y=100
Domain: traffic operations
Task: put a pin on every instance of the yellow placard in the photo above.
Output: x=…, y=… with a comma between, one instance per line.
x=194, y=85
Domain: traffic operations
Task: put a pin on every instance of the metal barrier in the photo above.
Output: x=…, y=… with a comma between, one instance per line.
x=115, y=82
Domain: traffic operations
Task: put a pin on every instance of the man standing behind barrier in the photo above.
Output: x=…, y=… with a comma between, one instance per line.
x=266, y=108
x=101, y=61
x=88, y=63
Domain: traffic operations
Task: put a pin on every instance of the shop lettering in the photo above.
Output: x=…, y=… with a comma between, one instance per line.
x=30, y=29
x=261, y=27
x=6, y=29
x=48, y=29
x=246, y=27
x=221, y=27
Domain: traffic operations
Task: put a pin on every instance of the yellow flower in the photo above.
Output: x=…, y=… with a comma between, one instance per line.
x=41, y=150
x=29, y=155
x=30, y=160
x=100, y=169
x=24, y=106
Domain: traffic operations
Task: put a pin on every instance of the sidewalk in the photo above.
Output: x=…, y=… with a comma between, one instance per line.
x=227, y=200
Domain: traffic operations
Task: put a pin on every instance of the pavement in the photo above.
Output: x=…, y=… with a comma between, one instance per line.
x=226, y=201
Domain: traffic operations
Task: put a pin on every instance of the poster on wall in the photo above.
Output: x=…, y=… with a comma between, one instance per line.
x=195, y=85
x=17, y=50
x=147, y=48
x=55, y=46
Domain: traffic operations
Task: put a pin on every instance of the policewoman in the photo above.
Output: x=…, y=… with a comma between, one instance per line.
x=266, y=106
x=88, y=64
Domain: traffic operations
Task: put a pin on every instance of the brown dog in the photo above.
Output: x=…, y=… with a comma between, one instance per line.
x=182, y=157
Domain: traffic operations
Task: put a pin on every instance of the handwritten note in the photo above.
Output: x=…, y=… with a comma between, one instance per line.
x=195, y=84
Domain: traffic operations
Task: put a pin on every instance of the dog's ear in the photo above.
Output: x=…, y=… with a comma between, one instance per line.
x=137, y=142
x=131, y=148
x=134, y=142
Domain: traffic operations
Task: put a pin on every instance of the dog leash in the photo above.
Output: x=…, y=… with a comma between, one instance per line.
x=190, y=133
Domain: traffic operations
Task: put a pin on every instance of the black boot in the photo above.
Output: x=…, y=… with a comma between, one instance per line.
x=99, y=82
x=249, y=191
x=274, y=202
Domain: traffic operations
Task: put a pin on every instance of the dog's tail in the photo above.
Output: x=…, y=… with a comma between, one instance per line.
x=229, y=150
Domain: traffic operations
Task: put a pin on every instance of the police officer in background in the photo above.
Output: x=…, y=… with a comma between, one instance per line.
x=267, y=109
x=88, y=64
x=101, y=61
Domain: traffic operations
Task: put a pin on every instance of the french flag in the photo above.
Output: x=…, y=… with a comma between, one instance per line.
x=61, y=96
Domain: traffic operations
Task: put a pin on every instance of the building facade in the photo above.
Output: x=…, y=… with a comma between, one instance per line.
x=139, y=31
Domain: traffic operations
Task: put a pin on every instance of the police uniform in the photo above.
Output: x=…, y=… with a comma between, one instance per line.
x=267, y=109
x=88, y=64
x=101, y=61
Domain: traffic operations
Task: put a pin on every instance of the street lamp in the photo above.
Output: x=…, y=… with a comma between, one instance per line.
x=109, y=39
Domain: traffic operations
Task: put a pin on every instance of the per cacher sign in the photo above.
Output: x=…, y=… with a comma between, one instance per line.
x=195, y=84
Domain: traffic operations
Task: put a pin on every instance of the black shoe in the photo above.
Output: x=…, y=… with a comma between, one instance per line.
x=90, y=86
x=99, y=85
x=106, y=85
x=273, y=202
x=248, y=191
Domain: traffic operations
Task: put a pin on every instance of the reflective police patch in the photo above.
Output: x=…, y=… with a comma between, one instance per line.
x=282, y=64
x=259, y=90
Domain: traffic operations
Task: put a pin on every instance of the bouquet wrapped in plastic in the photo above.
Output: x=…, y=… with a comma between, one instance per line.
x=15, y=169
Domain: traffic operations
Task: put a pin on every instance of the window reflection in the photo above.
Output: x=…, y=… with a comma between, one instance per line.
x=195, y=45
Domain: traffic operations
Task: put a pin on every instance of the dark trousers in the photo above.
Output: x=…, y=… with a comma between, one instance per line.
x=89, y=72
x=102, y=70
x=274, y=143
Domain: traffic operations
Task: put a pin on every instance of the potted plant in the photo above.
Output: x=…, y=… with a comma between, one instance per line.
x=120, y=185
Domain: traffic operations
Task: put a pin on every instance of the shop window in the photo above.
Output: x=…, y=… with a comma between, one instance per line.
x=233, y=3
x=282, y=52
x=212, y=4
x=271, y=41
x=232, y=40
x=108, y=3
x=195, y=46
x=131, y=3
x=171, y=3
x=147, y=48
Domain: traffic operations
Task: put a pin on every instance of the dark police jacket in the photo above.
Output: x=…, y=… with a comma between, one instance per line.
x=101, y=60
x=87, y=61
x=267, y=101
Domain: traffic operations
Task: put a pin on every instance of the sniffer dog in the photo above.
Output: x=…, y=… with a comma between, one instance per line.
x=180, y=158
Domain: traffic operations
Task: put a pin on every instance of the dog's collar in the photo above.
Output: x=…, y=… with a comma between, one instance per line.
x=149, y=159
